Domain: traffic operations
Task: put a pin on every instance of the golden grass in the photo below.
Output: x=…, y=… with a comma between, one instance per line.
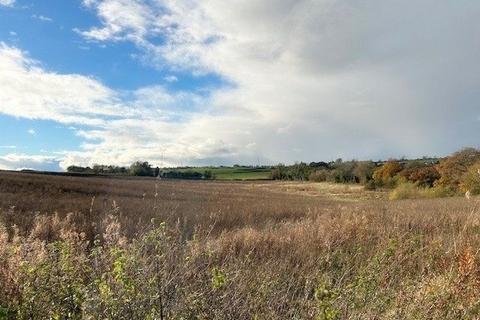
x=408, y=190
x=216, y=250
x=325, y=190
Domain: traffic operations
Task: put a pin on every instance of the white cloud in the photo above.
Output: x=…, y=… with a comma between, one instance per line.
x=30, y=91
x=32, y=132
x=120, y=126
x=15, y=161
x=171, y=78
x=42, y=18
x=336, y=78
x=310, y=80
x=7, y=3
x=121, y=19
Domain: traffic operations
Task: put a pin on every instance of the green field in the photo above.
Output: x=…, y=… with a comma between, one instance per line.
x=233, y=173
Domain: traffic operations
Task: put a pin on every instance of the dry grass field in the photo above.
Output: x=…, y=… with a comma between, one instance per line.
x=116, y=248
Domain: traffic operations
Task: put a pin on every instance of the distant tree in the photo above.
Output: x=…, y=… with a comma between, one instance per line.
x=320, y=175
x=341, y=175
x=386, y=173
x=77, y=169
x=106, y=169
x=342, y=172
x=470, y=180
x=421, y=174
x=363, y=171
x=320, y=164
x=141, y=169
x=279, y=172
x=299, y=171
x=453, y=168
x=187, y=174
x=208, y=175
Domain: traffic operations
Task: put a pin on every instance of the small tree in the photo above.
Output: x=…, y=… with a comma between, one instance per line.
x=141, y=169
x=208, y=175
x=299, y=171
x=279, y=172
x=453, y=168
x=386, y=173
x=471, y=180
x=319, y=175
x=363, y=171
x=424, y=176
x=343, y=171
x=77, y=169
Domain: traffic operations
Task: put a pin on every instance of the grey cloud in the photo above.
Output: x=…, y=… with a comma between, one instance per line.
x=312, y=80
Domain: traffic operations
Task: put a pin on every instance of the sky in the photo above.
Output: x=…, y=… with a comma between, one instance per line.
x=215, y=82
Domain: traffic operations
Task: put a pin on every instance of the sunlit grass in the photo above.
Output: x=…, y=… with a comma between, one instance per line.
x=149, y=249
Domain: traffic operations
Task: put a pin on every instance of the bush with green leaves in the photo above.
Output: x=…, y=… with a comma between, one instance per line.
x=141, y=169
x=299, y=171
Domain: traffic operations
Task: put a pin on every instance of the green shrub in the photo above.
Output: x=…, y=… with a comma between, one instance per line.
x=5, y=313
x=298, y=171
x=363, y=171
x=141, y=169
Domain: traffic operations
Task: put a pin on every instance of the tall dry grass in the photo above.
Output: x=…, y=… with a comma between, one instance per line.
x=412, y=259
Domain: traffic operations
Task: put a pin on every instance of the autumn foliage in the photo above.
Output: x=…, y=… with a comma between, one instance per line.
x=453, y=168
x=424, y=176
x=387, y=172
x=471, y=180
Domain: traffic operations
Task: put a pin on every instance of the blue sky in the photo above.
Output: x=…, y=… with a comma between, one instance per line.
x=222, y=82
x=46, y=31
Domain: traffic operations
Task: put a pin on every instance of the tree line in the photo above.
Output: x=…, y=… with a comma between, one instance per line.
x=142, y=169
x=459, y=172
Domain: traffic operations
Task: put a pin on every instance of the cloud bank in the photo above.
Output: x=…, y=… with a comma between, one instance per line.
x=308, y=80
x=7, y=3
x=20, y=161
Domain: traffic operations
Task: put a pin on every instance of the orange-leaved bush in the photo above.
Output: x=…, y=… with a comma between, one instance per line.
x=387, y=172
x=424, y=176
x=453, y=168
